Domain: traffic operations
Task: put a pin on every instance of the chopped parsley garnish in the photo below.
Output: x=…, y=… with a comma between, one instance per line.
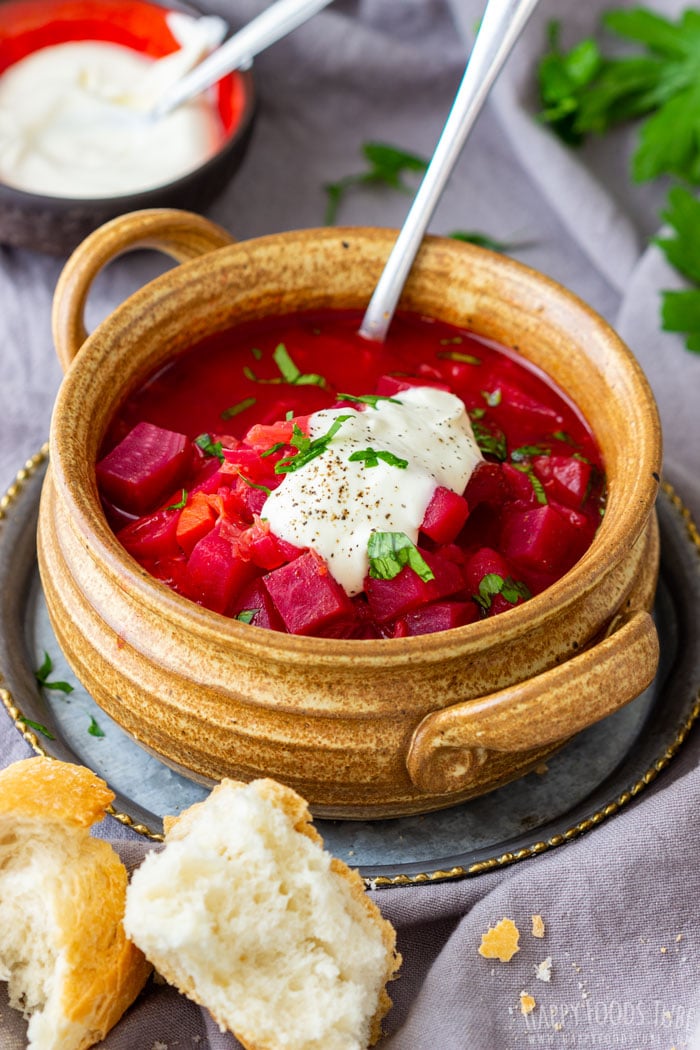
x=537, y=486
x=477, y=413
x=43, y=673
x=492, y=444
x=369, y=399
x=94, y=728
x=235, y=410
x=457, y=355
x=246, y=615
x=209, y=447
x=370, y=458
x=385, y=167
x=390, y=552
x=561, y=435
x=492, y=397
x=182, y=502
x=253, y=485
x=37, y=726
x=492, y=584
x=256, y=352
x=308, y=448
x=526, y=451
x=289, y=373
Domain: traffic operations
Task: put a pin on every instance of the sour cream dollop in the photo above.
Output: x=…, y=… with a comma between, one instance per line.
x=65, y=133
x=333, y=504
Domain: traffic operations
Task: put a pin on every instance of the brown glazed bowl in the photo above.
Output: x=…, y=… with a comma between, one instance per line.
x=369, y=728
x=56, y=225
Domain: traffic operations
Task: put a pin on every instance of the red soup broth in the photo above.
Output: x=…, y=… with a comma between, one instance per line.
x=191, y=456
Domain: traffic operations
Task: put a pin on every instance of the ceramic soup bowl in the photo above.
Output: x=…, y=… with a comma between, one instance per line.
x=361, y=728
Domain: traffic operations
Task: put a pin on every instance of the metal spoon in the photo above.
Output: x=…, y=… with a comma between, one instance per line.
x=500, y=27
x=275, y=22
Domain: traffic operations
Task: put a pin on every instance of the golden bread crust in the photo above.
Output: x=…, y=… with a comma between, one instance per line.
x=53, y=791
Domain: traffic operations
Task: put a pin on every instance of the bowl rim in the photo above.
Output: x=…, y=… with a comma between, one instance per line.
x=104, y=548
x=147, y=198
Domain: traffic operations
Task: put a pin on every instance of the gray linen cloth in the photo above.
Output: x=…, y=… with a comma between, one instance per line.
x=620, y=904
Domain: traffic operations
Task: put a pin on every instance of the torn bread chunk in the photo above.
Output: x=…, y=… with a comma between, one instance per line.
x=500, y=941
x=69, y=966
x=248, y=915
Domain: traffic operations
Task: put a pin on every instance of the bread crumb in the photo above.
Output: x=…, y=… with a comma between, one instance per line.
x=537, y=926
x=679, y=938
x=543, y=971
x=663, y=950
x=500, y=941
x=542, y=769
x=160, y=1046
x=558, y=1026
x=527, y=1003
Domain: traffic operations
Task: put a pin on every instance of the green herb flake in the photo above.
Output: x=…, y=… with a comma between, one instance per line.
x=370, y=458
x=246, y=615
x=209, y=447
x=561, y=435
x=492, y=584
x=386, y=166
x=37, y=726
x=526, y=451
x=680, y=310
x=492, y=397
x=256, y=352
x=253, y=485
x=289, y=373
x=369, y=399
x=537, y=486
x=456, y=355
x=308, y=448
x=490, y=443
x=235, y=410
x=182, y=502
x=94, y=728
x=477, y=413
x=390, y=552
x=43, y=673
x=481, y=240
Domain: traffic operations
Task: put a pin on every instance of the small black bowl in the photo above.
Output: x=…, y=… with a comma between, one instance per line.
x=56, y=225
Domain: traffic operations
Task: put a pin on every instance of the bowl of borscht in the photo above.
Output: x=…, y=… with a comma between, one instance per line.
x=393, y=576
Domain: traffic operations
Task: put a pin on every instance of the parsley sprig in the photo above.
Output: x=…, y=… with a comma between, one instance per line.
x=492, y=585
x=370, y=458
x=306, y=448
x=390, y=552
x=289, y=372
x=680, y=310
x=386, y=166
x=42, y=677
x=369, y=399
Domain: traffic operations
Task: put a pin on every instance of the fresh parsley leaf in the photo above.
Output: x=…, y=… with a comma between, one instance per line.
x=482, y=240
x=537, y=486
x=492, y=397
x=526, y=451
x=583, y=91
x=37, y=726
x=253, y=485
x=94, y=728
x=246, y=615
x=490, y=442
x=561, y=435
x=235, y=410
x=680, y=310
x=289, y=373
x=181, y=503
x=386, y=166
x=477, y=413
x=492, y=584
x=209, y=447
x=369, y=399
x=456, y=355
x=390, y=552
x=308, y=448
x=370, y=457
x=43, y=673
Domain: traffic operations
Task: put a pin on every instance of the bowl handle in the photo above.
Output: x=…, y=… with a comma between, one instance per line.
x=449, y=745
x=180, y=234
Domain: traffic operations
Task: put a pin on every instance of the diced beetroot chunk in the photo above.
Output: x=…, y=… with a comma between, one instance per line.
x=256, y=598
x=143, y=468
x=485, y=562
x=445, y=515
x=440, y=616
x=306, y=596
x=540, y=539
x=154, y=536
x=520, y=487
x=389, y=599
x=565, y=479
x=214, y=573
x=486, y=485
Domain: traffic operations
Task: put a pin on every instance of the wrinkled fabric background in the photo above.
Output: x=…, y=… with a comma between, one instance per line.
x=621, y=905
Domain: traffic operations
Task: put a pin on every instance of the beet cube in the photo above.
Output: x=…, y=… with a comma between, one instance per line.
x=306, y=596
x=390, y=599
x=144, y=468
x=154, y=536
x=540, y=539
x=255, y=598
x=440, y=616
x=486, y=485
x=445, y=515
x=214, y=573
x=488, y=562
x=565, y=478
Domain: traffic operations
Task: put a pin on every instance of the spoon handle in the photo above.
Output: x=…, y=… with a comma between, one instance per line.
x=500, y=27
x=270, y=26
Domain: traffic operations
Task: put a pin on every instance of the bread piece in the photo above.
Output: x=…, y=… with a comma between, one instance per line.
x=63, y=950
x=247, y=914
